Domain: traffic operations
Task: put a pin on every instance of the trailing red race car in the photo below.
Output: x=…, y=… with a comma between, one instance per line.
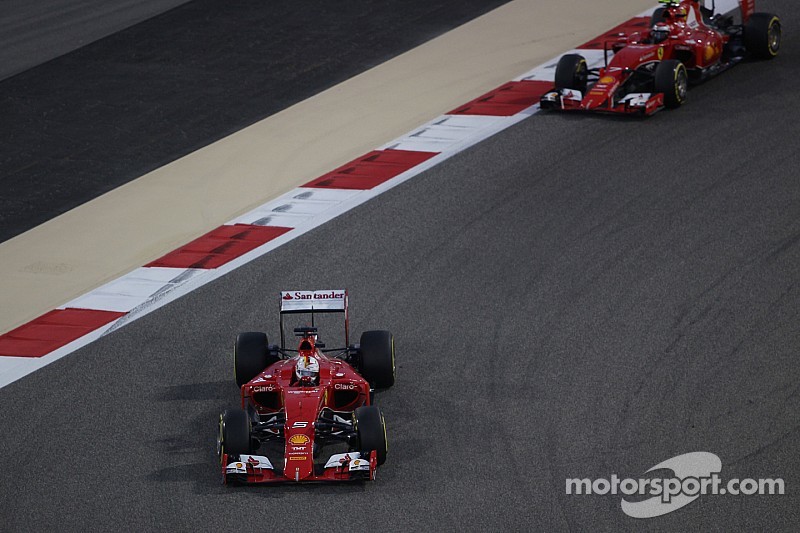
x=298, y=403
x=686, y=43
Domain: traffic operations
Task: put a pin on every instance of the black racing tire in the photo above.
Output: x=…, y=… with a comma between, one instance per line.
x=371, y=431
x=762, y=35
x=376, y=358
x=234, y=433
x=572, y=73
x=658, y=16
x=250, y=356
x=672, y=79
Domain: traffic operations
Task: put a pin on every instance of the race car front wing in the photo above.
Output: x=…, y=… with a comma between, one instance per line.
x=633, y=103
x=253, y=469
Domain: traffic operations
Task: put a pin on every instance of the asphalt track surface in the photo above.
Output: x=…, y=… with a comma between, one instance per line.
x=35, y=31
x=94, y=119
x=575, y=297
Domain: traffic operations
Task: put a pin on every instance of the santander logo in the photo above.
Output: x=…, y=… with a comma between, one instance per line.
x=308, y=295
x=328, y=295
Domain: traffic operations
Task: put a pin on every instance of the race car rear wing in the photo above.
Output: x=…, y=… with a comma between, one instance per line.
x=320, y=301
x=317, y=301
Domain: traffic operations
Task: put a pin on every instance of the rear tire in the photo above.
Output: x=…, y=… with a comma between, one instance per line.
x=376, y=358
x=672, y=80
x=762, y=35
x=251, y=356
x=234, y=433
x=658, y=16
x=572, y=73
x=371, y=431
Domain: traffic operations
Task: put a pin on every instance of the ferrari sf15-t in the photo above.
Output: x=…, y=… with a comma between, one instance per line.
x=686, y=43
x=307, y=414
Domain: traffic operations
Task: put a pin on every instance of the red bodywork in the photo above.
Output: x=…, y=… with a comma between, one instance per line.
x=698, y=46
x=276, y=389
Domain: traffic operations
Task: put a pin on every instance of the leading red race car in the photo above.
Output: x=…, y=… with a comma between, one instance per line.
x=295, y=403
x=686, y=43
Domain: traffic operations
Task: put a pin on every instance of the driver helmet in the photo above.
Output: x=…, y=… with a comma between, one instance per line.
x=659, y=32
x=307, y=370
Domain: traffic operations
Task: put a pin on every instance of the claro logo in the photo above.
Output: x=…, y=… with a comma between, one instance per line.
x=344, y=386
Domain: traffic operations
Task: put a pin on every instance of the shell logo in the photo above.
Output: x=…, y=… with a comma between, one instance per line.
x=607, y=79
x=299, y=440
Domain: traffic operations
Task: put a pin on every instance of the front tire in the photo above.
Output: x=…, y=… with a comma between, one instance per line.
x=234, y=433
x=672, y=80
x=251, y=356
x=762, y=35
x=376, y=358
x=371, y=432
x=572, y=73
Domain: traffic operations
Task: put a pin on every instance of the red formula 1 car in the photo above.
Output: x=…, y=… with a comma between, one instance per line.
x=686, y=43
x=307, y=414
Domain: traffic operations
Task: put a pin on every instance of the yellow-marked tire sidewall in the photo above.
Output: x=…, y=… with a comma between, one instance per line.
x=235, y=380
x=773, y=22
x=385, y=438
x=220, y=440
x=678, y=96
